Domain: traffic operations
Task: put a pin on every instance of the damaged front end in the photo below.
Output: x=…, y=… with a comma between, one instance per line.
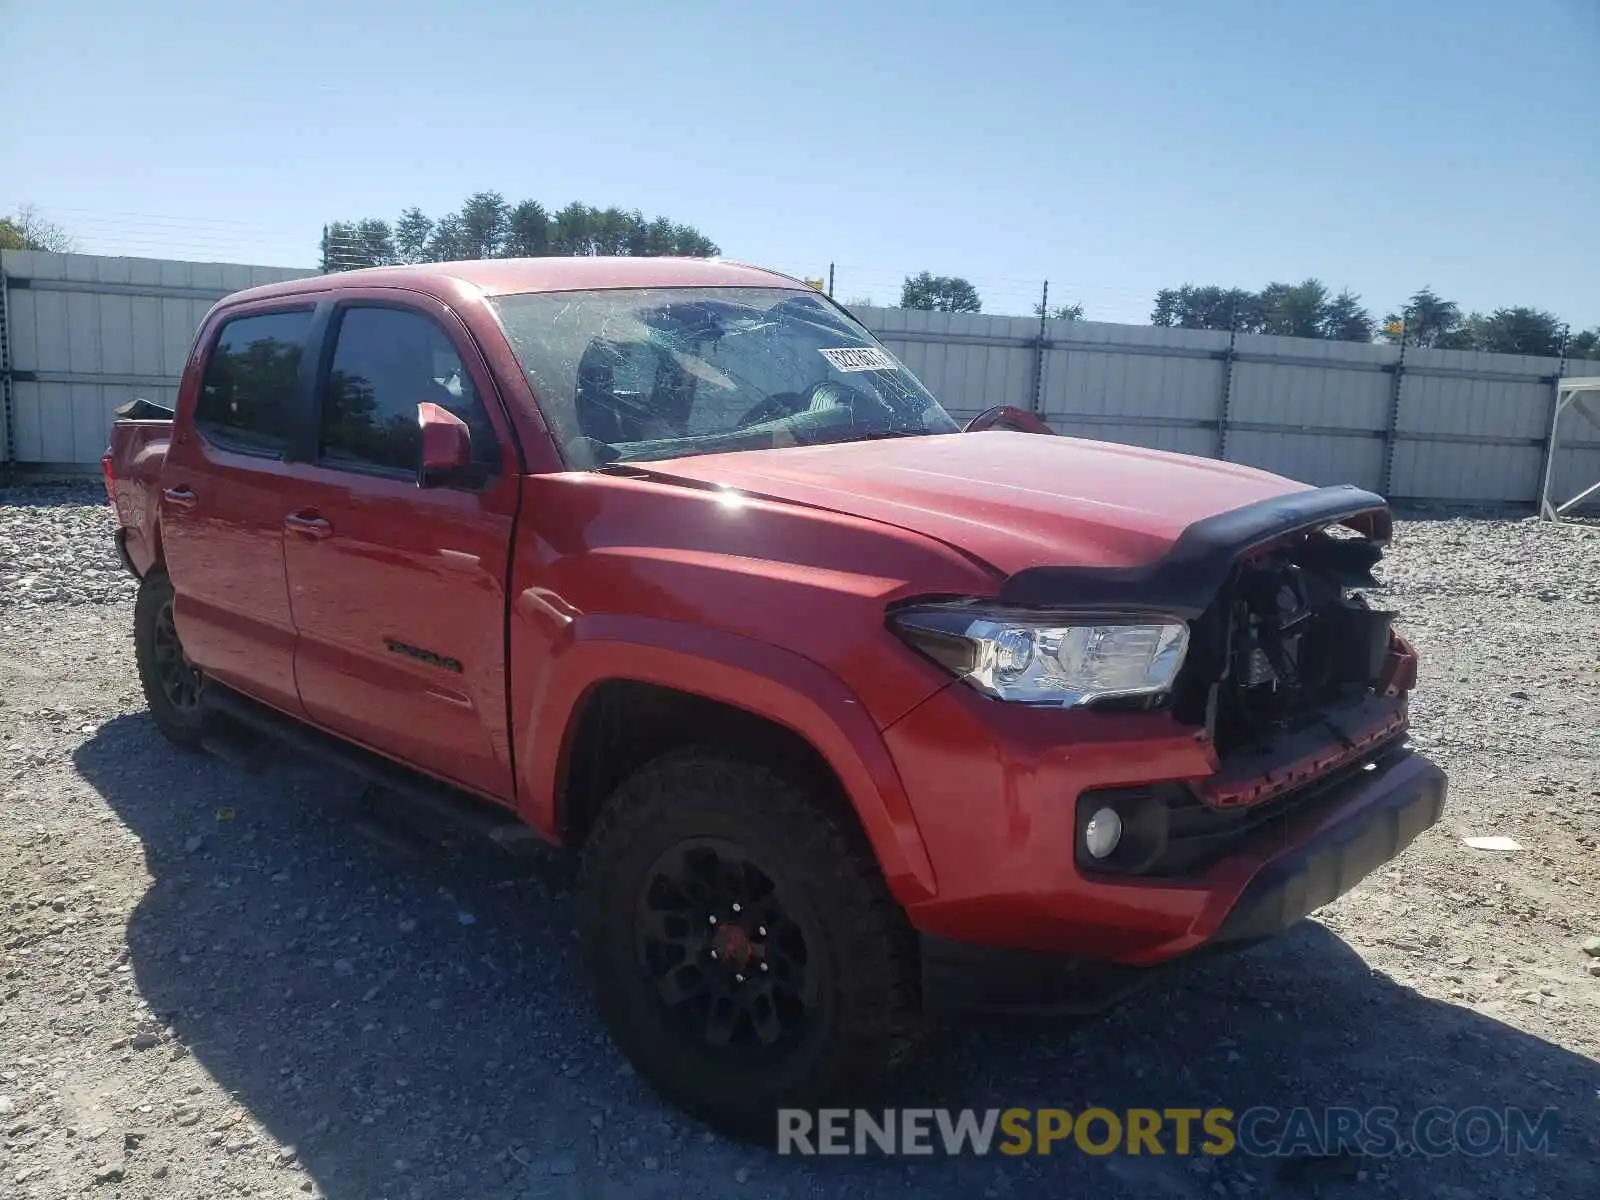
x=1291, y=671
x=1296, y=680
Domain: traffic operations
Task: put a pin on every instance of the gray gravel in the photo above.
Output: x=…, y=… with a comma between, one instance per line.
x=59, y=553
x=215, y=983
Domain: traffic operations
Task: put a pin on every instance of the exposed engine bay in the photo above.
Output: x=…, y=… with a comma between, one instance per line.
x=1287, y=639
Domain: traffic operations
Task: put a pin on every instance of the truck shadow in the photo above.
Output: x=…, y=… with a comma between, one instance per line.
x=416, y=1026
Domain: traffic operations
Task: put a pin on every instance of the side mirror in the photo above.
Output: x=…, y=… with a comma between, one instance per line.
x=446, y=444
x=1005, y=416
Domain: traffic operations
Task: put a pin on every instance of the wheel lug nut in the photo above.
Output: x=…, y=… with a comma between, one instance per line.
x=736, y=907
x=713, y=954
x=738, y=978
x=761, y=931
x=712, y=918
x=764, y=966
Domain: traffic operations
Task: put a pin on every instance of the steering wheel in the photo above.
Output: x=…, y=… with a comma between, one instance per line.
x=773, y=408
x=824, y=394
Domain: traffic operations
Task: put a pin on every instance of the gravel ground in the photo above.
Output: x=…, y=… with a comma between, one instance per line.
x=218, y=984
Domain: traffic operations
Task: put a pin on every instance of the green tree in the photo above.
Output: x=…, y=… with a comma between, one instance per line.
x=337, y=239
x=411, y=234
x=939, y=293
x=688, y=242
x=449, y=240
x=1343, y=319
x=1210, y=307
x=570, y=231
x=487, y=226
x=1516, y=331
x=348, y=245
x=28, y=229
x=1061, y=312
x=579, y=229
x=527, y=231
x=1427, y=320
x=484, y=220
x=1585, y=344
x=613, y=230
x=1306, y=309
x=376, y=240
x=1294, y=309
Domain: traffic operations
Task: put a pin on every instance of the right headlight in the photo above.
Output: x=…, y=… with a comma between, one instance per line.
x=1033, y=658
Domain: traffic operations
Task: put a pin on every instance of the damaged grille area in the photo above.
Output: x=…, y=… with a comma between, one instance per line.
x=1173, y=832
x=1295, y=677
x=1288, y=644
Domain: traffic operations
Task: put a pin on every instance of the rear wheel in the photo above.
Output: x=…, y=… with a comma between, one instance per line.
x=744, y=950
x=172, y=684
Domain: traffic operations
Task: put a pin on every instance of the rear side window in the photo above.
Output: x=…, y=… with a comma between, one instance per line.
x=386, y=361
x=248, y=392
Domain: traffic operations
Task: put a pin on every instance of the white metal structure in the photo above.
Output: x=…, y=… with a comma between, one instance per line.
x=1581, y=395
x=80, y=335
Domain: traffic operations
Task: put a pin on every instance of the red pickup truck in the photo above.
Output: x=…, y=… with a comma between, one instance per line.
x=854, y=715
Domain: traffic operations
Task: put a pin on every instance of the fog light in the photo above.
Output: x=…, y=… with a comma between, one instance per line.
x=1102, y=833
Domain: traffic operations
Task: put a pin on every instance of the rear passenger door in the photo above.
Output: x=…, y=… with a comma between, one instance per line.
x=398, y=591
x=225, y=487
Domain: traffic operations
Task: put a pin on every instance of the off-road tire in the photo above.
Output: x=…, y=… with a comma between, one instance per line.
x=182, y=726
x=866, y=1020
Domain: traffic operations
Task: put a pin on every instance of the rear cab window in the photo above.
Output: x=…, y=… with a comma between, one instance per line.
x=248, y=392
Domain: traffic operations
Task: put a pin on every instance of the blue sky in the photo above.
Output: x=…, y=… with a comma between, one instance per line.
x=1113, y=148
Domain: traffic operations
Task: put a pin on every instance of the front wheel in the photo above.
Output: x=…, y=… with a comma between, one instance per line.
x=172, y=684
x=744, y=950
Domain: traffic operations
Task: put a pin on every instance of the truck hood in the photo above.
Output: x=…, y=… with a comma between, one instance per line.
x=1014, y=500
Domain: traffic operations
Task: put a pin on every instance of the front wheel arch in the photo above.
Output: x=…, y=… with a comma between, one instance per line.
x=622, y=724
x=768, y=684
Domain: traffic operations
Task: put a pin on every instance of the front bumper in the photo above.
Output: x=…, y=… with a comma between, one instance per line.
x=1399, y=801
x=1313, y=854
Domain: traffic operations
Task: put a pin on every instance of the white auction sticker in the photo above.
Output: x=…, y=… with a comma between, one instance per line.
x=859, y=358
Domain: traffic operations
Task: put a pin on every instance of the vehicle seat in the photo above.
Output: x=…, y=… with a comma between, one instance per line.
x=596, y=402
x=603, y=414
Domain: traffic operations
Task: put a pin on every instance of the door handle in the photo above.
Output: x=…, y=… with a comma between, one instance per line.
x=179, y=497
x=307, y=522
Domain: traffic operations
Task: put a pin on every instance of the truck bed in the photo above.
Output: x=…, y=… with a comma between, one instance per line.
x=132, y=467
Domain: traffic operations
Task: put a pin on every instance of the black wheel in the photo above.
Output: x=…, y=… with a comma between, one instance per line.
x=744, y=950
x=172, y=684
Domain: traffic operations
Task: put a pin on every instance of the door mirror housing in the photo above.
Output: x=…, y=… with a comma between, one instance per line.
x=446, y=445
x=1005, y=416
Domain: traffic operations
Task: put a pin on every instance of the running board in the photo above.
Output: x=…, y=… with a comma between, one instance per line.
x=246, y=725
x=234, y=744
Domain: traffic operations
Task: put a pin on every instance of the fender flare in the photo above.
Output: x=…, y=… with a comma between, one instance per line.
x=778, y=685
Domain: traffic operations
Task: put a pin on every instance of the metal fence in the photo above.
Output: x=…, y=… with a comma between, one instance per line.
x=1413, y=424
x=80, y=334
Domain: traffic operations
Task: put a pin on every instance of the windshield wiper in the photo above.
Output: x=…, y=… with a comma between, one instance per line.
x=878, y=435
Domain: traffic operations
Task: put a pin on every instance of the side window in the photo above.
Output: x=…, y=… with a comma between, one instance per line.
x=248, y=390
x=385, y=362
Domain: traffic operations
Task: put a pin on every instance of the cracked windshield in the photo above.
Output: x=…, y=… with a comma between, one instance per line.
x=651, y=373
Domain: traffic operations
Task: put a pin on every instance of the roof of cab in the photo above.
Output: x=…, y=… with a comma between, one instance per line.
x=503, y=276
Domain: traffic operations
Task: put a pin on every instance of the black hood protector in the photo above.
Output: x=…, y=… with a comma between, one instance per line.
x=1185, y=580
